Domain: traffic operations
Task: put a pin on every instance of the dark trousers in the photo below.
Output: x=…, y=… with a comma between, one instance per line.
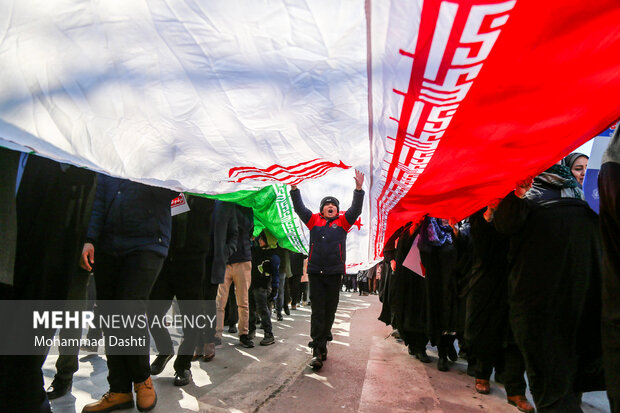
x=325, y=293
x=91, y=290
x=127, y=277
x=445, y=341
x=67, y=362
x=209, y=292
x=287, y=292
x=510, y=366
x=231, y=315
x=259, y=297
x=513, y=371
x=181, y=277
x=415, y=340
x=280, y=296
x=303, y=291
x=609, y=189
x=295, y=284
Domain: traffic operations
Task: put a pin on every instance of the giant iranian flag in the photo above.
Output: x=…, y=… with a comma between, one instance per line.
x=442, y=104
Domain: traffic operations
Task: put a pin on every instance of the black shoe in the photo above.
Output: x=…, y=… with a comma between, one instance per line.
x=232, y=328
x=58, y=388
x=422, y=356
x=287, y=311
x=268, y=340
x=46, y=408
x=316, y=363
x=245, y=341
x=182, y=378
x=442, y=364
x=452, y=353
x=280, y=317
x=158, y=365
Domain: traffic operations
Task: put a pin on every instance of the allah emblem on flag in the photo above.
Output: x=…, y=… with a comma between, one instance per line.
x=291, y=175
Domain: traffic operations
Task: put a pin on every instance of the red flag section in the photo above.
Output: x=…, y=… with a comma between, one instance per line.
x=498, y=91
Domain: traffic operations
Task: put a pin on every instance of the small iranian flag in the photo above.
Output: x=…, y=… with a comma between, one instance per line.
x=273, y=209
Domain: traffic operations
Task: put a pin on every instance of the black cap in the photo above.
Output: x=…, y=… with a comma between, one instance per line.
x=329, y=199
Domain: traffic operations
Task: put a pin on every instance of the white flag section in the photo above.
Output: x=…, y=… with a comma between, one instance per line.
x=196, y=96
x=205, y=97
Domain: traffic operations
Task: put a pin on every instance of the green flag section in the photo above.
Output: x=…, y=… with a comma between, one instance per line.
x=273, y=209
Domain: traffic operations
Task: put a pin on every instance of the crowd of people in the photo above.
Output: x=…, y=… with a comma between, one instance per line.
x=519, y=285
x=135, y=250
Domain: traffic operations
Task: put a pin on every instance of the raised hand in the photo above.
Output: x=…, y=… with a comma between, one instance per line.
x=359, y=179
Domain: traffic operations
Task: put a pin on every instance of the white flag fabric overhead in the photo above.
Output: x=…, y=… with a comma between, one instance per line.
x=186, y=94
x=444, y=105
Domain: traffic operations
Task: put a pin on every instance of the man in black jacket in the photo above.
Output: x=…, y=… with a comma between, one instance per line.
x=326, y=261
x=182, y=276
x=43, y=222
x=128, y=238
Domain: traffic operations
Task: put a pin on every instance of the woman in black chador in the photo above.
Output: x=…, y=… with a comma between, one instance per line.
x=406, y=295
x=439, y=257
x=487, y=329
x=554, y=287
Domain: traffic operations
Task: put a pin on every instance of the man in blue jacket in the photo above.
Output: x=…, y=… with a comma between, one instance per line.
x=128, y=238
x=326, y=261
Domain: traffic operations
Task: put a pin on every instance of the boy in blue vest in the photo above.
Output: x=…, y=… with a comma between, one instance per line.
x=326, y=261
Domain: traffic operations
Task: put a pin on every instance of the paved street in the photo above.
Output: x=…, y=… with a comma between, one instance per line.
x=366, y=371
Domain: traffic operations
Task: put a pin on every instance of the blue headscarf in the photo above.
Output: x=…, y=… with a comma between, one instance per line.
x=434, y=234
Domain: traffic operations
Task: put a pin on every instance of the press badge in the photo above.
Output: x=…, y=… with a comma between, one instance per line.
x=179, y=205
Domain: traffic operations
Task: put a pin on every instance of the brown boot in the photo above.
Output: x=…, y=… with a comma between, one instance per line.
x=209, y=352
x=522, y=403
x=146, y=398
x=483, y=386
x=109, y=402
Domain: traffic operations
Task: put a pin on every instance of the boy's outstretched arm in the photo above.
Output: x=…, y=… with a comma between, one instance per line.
x=298, y=205
x=358, y=199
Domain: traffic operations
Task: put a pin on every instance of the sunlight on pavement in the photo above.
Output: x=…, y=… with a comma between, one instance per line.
x=201, y=377
x=321, y=379
x=247, y=354
x=188, y=402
